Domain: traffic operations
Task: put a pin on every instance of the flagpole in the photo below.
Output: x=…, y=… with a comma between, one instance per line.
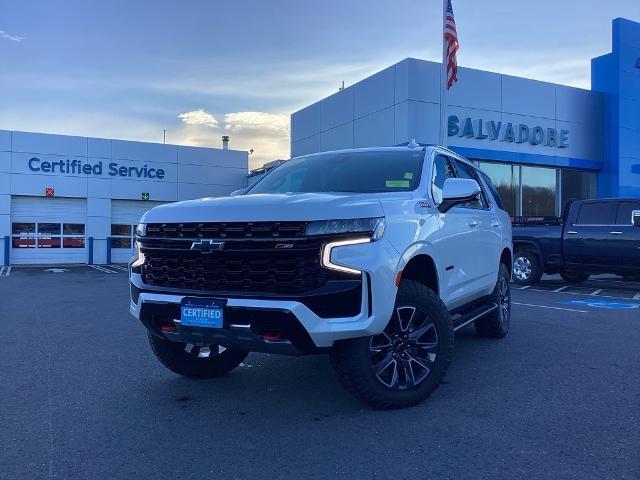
x=443, y=81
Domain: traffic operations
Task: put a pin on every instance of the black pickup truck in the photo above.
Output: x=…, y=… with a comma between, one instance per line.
x=593, y=236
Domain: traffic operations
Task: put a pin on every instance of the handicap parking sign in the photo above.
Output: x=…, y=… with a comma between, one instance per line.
x=608, y=304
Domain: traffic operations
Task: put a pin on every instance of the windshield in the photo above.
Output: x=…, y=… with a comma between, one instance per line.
x=356, y=172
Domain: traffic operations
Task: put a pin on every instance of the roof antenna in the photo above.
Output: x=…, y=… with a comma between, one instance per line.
x=342, y=87
x=413, y=143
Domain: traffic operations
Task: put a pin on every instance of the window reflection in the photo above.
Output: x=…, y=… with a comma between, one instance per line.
x=505, y=178
x=538, y=191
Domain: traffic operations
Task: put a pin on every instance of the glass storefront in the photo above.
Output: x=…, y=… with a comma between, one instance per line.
x=538, y=191
x=533, y=191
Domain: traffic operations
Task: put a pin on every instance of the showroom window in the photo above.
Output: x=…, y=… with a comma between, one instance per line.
x=505, y=178
x=122, y=235
x=577, y=185
x=47, y=235
x=538, y=191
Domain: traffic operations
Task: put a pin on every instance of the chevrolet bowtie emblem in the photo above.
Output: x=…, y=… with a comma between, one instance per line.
x=207, y=246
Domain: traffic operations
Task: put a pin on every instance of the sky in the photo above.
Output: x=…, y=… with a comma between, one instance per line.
x=200, y=69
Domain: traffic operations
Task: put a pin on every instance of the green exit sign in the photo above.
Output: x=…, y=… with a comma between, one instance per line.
x=145, y=195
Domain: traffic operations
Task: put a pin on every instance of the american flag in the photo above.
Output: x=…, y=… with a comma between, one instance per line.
x=451, y=45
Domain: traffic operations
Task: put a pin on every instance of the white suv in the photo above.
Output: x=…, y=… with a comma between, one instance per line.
x=375, y=256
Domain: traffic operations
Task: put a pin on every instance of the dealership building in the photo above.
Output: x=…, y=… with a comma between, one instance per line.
x=542, y=143
x=66, y=199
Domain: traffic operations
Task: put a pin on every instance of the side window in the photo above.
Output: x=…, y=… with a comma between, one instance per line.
x=623, y=217
x=466, y=171
x=493, y=190
x=596, y=213
x=442, y=169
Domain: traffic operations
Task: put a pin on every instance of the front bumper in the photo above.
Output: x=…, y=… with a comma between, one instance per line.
x=276, y=325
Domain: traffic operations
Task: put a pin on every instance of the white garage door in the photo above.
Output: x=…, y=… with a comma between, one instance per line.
x=125, y=215
x=48, y=230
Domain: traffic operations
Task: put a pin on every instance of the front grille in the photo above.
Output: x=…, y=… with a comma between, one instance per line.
x=227, y=230
x=258, y=270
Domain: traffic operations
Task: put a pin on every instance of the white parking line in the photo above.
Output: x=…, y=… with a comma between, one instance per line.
x=552, y=308
x=120, y=267
x=524, y=288
x=5, y=271
x=564, y=292
x=101, y=269
x=596, y=292
x=560, y=289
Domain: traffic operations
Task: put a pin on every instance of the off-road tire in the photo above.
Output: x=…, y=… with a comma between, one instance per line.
x=351, y=358
x=573, y=276
x=174, y=356
x=496, y=323
x=536, y=268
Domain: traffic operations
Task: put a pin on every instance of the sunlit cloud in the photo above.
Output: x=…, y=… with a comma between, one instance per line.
x=8, y=36
x=199, y=117
x=273, y=124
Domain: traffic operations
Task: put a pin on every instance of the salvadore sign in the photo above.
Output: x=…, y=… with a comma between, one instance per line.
x=507, y=132
x=98, y=168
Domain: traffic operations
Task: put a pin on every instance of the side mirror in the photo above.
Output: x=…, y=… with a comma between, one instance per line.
x=236, y=193
x=635, y=218
x=457, y=191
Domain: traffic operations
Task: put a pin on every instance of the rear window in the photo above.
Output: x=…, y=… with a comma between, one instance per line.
x=623, y=216
x=601, y=213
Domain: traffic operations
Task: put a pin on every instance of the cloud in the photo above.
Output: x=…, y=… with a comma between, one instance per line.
x=267, y=134
x=268, y=123
x=199, y=117
x=8, y=36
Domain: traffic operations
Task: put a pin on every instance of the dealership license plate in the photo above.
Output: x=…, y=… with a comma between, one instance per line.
x=202, y=312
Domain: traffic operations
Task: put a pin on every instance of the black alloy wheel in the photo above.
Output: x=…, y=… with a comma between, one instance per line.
x=404, y=354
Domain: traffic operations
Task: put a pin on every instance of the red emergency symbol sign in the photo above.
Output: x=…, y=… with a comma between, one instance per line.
x=49, y=192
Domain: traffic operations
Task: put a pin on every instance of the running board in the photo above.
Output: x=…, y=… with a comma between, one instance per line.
x=473, y=315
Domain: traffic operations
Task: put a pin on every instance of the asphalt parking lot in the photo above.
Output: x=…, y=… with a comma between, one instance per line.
x=83, y=397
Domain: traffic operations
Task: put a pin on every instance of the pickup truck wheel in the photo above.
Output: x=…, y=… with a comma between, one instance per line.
x=526, y=268
x=496, y=323
x=193, y=361
x=572, y=276
x=406, y=362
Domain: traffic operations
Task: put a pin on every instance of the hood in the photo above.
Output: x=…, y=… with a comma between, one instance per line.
x=269, y=207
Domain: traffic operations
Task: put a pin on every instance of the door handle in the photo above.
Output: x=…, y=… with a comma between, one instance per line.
x=472, y=223
x=615, y=233
x=572, y=232
x=495, y=224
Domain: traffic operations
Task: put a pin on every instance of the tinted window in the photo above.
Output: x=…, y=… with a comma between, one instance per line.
x=442, y=169
x=464, y=170
x=355, y=172
x=596, y=214
x=506, y=181
x=623, y=216
x=493, y=190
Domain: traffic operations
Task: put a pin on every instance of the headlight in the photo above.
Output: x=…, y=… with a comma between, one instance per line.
x=138, y=256
x=141, y=229
x=374, y=226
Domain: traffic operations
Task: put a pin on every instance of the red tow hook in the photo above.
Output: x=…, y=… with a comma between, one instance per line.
x=271, y=337
x=168, y=327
